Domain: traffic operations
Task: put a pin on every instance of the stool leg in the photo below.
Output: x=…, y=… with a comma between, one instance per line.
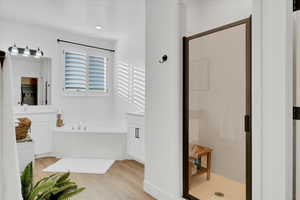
x=190, y=173
x=208, y=165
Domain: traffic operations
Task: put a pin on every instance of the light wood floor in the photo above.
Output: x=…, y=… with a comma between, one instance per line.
x=124, y=181
x=205, y=190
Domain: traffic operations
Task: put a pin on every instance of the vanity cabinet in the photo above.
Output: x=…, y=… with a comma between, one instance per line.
x=136, y=137
x=25, y=153
x=43, y=122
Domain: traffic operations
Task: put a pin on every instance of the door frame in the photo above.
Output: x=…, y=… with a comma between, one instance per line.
x=248, y=108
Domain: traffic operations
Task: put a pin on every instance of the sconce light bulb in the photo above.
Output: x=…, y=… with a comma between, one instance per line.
x=14, y=50
x=38, y=53
x=26, y=52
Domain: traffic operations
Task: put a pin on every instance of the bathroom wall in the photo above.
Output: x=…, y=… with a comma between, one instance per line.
x=202, y=15
x=217, y=99
x=12, y=185
x=163, y=100
x=1, y=136
x=131, y=50
x=90, y=109
x=296, y=89
x=163, y=107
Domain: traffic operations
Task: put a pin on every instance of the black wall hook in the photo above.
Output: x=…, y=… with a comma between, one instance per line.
x=2, y=57
x=163, y=59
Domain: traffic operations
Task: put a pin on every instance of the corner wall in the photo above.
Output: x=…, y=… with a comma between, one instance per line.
x=163, y=100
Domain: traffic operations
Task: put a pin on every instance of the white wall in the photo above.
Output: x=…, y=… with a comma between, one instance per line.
x=276, y=89
x=90, y=109
x=131, y=50
x=1, y=136
x=12, y=185
x=163, y=177
x=203, y=15
x=163, y=100
x=217, y=99
x=296, y=76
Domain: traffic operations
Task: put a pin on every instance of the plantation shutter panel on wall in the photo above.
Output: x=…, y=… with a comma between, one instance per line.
x=97, y=73
x=124, y=81
x=139, y=88
x=75, y=71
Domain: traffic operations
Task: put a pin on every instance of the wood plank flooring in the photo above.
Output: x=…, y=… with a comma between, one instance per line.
x=124, y=181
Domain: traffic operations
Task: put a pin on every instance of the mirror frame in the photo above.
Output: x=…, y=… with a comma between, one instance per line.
x=248, y=109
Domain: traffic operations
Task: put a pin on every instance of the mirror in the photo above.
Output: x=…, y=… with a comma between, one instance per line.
x=32, y=80
x=29, y=91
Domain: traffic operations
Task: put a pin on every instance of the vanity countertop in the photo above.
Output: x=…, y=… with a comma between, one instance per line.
x=21, y=110
x=139, y=114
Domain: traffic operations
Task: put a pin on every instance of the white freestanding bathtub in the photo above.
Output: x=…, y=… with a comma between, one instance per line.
x=108, y=143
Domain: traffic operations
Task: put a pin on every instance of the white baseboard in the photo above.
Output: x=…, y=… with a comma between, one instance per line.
x=128, y=157
x=157, y=193
x=44, y=155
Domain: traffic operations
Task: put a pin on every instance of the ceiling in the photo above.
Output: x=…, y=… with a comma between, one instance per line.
x=119, y=18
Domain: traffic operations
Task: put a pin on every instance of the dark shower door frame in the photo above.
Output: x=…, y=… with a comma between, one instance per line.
x=248, y=109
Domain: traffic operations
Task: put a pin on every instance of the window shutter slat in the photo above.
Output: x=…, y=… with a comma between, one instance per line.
x=139, y=88
x=124, y=83
x=75, y=71
x=97, y=73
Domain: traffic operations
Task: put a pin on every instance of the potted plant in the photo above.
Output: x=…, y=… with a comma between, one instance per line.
x=54, y=187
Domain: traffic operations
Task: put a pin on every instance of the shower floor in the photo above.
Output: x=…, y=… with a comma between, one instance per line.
x=204, y=190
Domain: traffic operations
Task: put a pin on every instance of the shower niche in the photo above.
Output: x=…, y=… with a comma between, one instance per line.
x=32, y=80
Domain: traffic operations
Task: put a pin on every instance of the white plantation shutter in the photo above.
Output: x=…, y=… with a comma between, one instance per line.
x=97, y=73
x=85, y=73
x=124, y=81
x=139, y=88
x=75, y=71
x=131, y=85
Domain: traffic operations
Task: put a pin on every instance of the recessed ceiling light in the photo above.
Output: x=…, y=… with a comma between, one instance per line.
x=98, y=27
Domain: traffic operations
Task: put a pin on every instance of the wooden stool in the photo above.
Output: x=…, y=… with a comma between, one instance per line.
x=197, y=153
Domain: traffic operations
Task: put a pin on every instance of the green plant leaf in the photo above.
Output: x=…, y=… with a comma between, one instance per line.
x=70, y=194
x=27, y=181
x=53, y=187
x=63, y=177
x=42, y=187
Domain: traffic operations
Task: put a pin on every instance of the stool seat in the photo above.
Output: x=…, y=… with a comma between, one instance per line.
x=196, y=153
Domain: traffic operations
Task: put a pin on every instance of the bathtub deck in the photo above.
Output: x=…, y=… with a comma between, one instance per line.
x=124, y=181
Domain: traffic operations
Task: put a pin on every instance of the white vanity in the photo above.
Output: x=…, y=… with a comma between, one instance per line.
x=43, y=122
x=32, y=99
x=136, y=136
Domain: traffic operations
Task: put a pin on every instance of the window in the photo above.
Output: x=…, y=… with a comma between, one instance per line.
x=85, y=73
x=131, y=85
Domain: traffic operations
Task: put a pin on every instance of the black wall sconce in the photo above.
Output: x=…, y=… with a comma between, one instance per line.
x=14, y=50
x=163, y=59
x=2, y=57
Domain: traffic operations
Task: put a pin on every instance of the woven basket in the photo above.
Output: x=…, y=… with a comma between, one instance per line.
x=22, y=129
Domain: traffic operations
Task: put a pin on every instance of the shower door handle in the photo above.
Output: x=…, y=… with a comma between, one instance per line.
x=247, y=121
x=296, y=113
